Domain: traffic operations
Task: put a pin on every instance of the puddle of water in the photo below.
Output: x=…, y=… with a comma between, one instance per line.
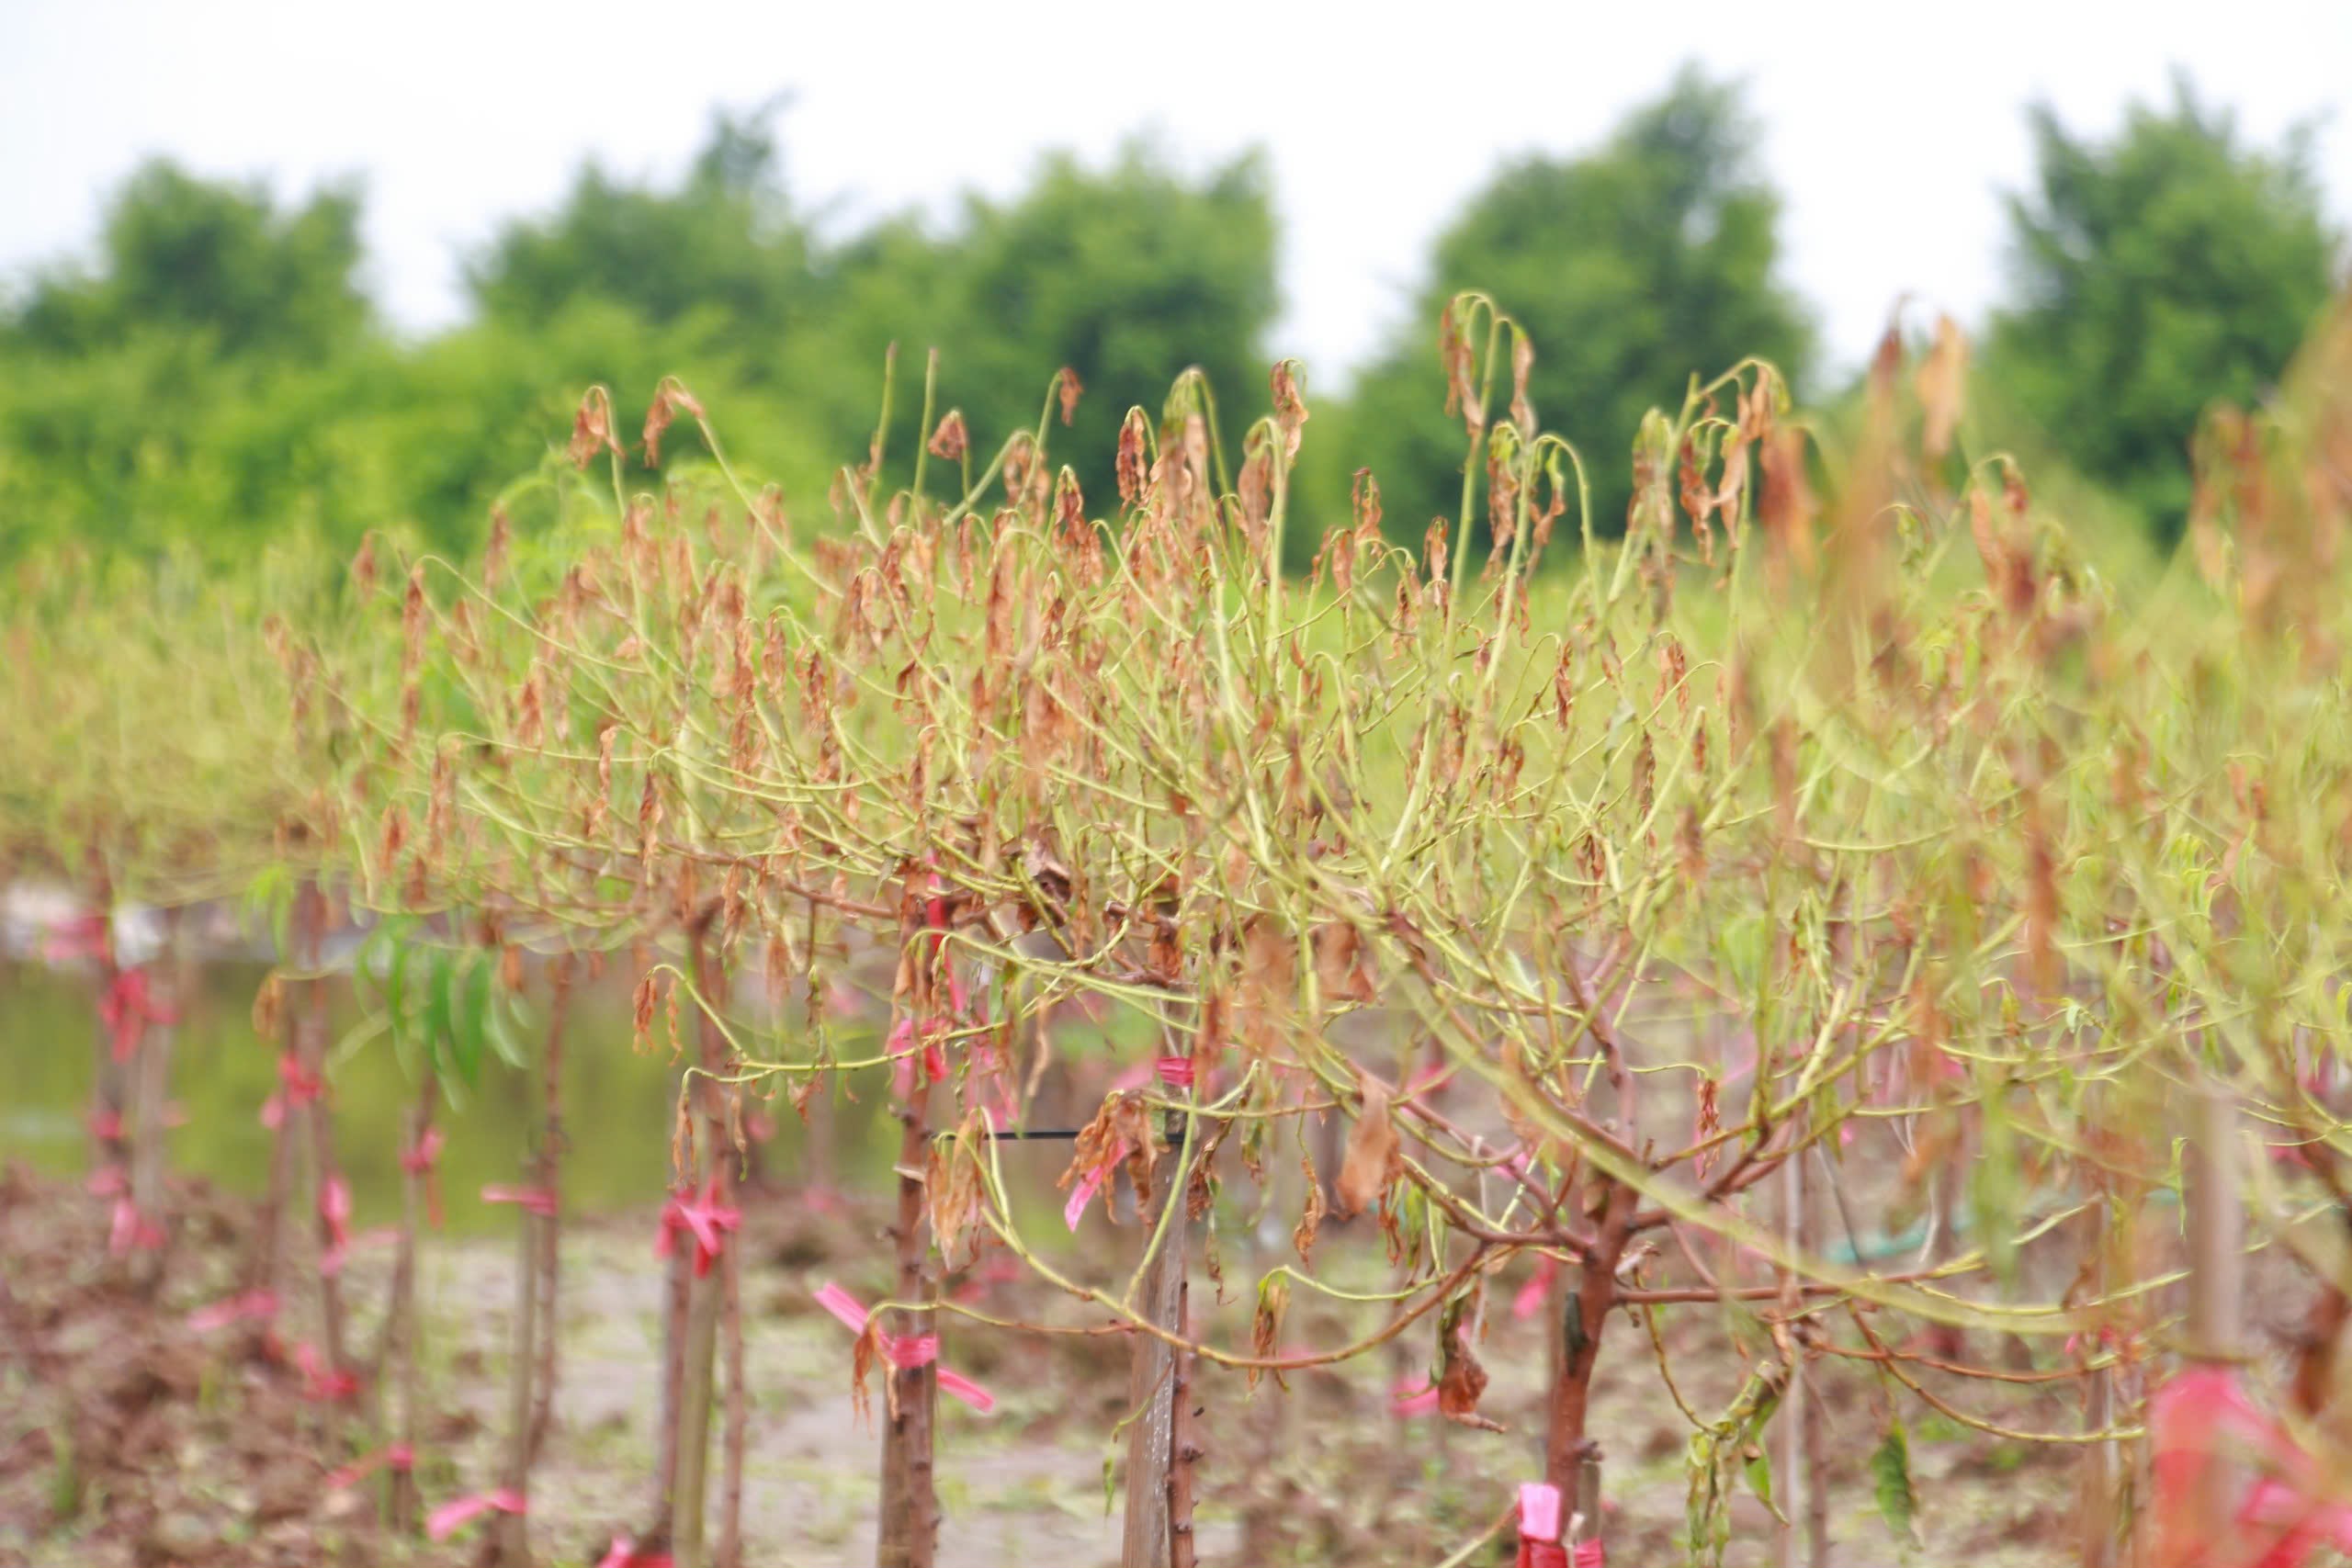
x=617, y=1104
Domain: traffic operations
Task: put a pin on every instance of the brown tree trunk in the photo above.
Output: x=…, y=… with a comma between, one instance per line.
x=311, y=922
x=109, y=1085
x=513, y=1529
x=738, y=1424
x=2215, y=1324
x=1566, y=1447
x=1152, y=1374
x=269, y=1230
x=1182, y=1470
x=150, y=1072
x=909, y=1534
x=550, y=1229
x=714, y=1164
x=404, y=1330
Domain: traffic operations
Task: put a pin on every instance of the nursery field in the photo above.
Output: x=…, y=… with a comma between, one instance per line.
x=996, y=1022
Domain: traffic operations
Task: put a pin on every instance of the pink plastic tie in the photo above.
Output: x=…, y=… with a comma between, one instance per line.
x=904, y=1351
x=450, y=1518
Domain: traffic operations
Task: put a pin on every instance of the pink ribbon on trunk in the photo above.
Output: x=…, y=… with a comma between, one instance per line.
x=297, y=1087
x=133, y=1230
x=129, y=1007
x=1539, y=1507
x=530, y=1200
x=83, y=936
x=322, y=1384
x=392, y=1456
x=705, y=1218
x=2291, y=1509
x=912, y=1350
x=260, y=1305
x=334, y=1208
x=450, y=1518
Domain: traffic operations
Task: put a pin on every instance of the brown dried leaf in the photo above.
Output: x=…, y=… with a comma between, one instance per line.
x=949, y=442
x=1343, y=965
x=1942, y=384
x=1372, y=1160
x=1461, y=1384
x=1310, y=1218
x=1266, y=1326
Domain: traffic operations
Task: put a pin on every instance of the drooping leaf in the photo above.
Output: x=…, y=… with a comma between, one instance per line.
x=1898, y=1505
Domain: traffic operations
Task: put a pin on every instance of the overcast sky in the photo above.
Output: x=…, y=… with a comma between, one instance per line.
x=1892, y=129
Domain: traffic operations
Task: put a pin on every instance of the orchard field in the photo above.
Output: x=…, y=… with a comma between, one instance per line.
x=991, y=1020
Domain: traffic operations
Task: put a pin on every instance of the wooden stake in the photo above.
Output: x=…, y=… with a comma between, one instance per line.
x=1151, y=1367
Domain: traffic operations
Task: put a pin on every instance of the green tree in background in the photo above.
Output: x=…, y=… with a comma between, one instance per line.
x=725, y=246
x=1655, y=257
x=2154, y=274
x=184, y=255
x=1129, y=276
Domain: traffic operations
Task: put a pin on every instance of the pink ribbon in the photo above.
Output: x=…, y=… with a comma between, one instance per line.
x=1529, y=1300
x=1539, y=1507
x=450, y=1518
x=531, y=1200
x=1412, y=1396
x=1087, y=1186
x=83, y=936
x=107, y=1181
x=133, y=1230
x=2204, y=1416
x=260, y=1305
x=904, y=1351
x=321, y=1383
x=334, y=1208
x=902, y=1047
x=1176, y=1072
x=1000, y=1270
x=105, y=1127
x=705, y=1218
x=297, y=1087
x=129, y=1007
x=394, y=1456
x=624, y=1554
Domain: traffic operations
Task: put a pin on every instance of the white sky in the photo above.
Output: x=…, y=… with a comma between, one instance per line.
x=1891, y=127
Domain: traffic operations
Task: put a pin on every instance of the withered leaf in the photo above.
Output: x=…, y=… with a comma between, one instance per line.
x=1372, y=1160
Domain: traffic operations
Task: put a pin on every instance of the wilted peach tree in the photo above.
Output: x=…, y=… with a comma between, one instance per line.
x=155, y=762
x=1780, y=912
x=1815, y=909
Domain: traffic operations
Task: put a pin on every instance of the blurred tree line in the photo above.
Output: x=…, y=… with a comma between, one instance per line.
x=217, y=373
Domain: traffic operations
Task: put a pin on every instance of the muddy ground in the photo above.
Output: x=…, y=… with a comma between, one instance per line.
x=126, y=1436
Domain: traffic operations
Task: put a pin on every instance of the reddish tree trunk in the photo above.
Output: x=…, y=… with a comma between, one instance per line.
x=909, y=1525
x=405, y=1328
x=312, y=1037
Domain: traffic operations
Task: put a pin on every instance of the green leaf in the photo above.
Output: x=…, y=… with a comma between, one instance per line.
x=440, y=1024
x=1891, y=1469
x=500, y=1017
x=468, y=993
x=1757, y=1468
